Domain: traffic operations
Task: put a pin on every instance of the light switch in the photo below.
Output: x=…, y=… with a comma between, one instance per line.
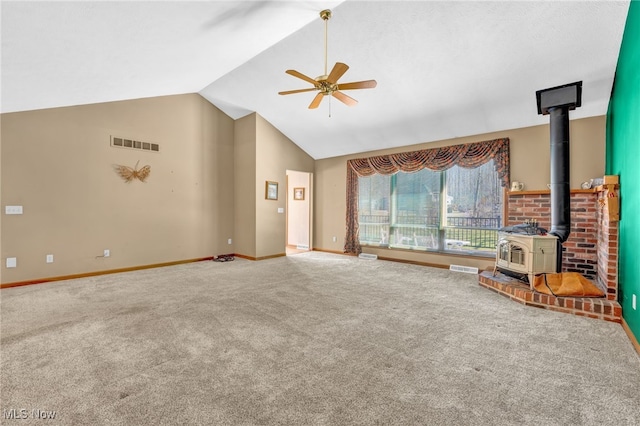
x=280, y=209
x=12, y=262
x=13, y=209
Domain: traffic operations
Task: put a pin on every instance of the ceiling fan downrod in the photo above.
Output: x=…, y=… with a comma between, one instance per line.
x=325, y=15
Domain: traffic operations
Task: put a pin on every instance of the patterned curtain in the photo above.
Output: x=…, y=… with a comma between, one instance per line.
x=468, y=156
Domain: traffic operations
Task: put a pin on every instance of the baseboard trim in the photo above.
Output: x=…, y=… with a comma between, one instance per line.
x=333, y=251
x=96, y=273
x=415, y=262
x=631, y=336
x=272, y=256
x=390, y=259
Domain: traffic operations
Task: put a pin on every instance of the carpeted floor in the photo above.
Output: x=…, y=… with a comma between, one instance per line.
x=310, y=339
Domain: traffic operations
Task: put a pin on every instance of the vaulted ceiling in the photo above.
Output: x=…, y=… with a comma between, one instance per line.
x=444, y=69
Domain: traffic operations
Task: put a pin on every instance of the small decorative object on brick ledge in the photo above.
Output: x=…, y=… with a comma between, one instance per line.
x=517, y=186
x=611, y=197
x=612, y=203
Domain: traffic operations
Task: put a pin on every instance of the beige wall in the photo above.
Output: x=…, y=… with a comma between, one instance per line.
x=275, y=154
x=529, y=153
x=262, y=153
x=244, y=171
x=206, y=185
x=530, y=161
x=58, y=164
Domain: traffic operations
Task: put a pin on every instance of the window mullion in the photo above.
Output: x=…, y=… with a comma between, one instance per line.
x=393, y=208
x=443, y=211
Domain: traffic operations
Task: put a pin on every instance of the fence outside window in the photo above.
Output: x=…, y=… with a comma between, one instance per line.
x=459, y=233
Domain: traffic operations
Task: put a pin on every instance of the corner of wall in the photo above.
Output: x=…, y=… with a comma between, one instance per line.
x=623, y=132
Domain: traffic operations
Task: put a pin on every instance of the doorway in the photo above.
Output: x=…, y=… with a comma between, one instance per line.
x=299, y=211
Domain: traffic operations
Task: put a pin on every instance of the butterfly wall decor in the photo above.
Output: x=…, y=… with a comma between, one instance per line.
x=129, y=174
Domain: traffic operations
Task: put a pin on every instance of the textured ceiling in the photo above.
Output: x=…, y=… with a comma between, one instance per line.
x=444, y=69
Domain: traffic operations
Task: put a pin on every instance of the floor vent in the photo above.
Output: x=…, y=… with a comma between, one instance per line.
x=302, y=247
x=368, y=256
x=133, y=144
x=466, y=269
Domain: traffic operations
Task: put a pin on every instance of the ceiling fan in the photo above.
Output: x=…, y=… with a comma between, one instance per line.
x=327, y=84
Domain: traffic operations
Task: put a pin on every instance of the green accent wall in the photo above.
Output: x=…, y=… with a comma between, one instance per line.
x=623, y=159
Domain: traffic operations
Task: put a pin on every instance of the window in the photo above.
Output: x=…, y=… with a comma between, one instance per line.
x=414, y=206
x=373, y=204
x=456, y=209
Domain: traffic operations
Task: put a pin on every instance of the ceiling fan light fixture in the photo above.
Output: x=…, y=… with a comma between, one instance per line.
x=327, y=83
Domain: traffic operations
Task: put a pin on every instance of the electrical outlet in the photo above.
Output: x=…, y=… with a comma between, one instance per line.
x=107, y=253
x=229, y=241
x=12, y=262
x=49, y=258
x=335, y=239
x=633, y=301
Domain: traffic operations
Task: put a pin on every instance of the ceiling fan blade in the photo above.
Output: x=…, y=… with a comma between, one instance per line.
x=316, y=101
x=344, y=98
x=338, y=71
x=368, y=84
x=302, y=76
x=288, y=92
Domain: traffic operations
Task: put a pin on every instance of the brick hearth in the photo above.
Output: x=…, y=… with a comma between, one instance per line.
x=592, y=250
x=518, y=291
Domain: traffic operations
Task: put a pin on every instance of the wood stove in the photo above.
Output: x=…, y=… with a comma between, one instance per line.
x=523, y=255
x=526, y=250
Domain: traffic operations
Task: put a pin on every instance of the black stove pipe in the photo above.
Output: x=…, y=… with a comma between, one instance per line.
x=556, y=102
x=560, y=173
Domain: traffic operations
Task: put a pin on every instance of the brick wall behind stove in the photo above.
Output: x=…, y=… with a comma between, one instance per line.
x=580, y=251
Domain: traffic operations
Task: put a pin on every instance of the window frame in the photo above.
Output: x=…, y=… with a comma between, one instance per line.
x=465, y=155
x=441, y=244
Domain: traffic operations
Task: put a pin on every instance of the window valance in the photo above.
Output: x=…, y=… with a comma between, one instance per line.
x=466, y=155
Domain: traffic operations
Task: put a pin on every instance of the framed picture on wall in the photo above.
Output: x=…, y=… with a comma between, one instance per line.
x=298, y=193
x=271, y=190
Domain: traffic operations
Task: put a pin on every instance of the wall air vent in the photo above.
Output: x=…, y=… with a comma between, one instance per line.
x=368, y=256
x=466, y=269
x=133, y=144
